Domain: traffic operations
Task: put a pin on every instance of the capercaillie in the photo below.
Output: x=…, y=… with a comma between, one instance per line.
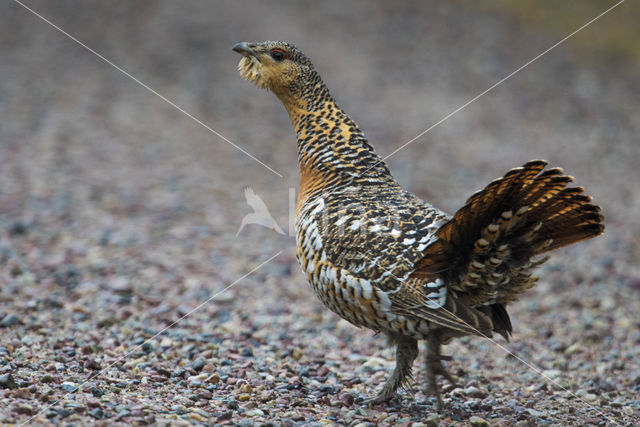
x=381, y=258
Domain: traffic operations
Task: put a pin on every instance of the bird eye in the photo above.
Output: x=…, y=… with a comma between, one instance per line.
x=278, y=54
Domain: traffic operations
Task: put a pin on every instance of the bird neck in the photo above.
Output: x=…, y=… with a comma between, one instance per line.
x=330, y=144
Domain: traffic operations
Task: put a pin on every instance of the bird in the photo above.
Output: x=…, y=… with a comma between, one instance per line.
x=260, y=215
x=381, y=258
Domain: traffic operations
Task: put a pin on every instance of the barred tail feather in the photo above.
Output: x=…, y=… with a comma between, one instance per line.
x=487, y=251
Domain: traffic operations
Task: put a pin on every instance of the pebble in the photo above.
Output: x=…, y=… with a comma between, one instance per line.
x=69, y=387
x=534, y=413
x=297, y=353
x=205, y=394
x=474, y=392
x=96, y=413
x=7, y=381
x=213, y=379
x=254, y=413
x=25, y=409
x=198, y=364
x=374, y=363
x=617, y=403
x=22, y=393
x=267, y=396
x=96, y=392
x=197, y=417
x=432, y=420
x=476, y=421
x=246, y=388
x=347, y=399
x=9, y=320
x=93, y=364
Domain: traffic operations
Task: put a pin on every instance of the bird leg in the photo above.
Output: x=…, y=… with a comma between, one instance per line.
x=434, y=367
x=406, y=353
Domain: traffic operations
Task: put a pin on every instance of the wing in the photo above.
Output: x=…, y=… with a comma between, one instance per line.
x=381, y=236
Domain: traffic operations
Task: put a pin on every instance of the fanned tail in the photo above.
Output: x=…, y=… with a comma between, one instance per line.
x=487, y=251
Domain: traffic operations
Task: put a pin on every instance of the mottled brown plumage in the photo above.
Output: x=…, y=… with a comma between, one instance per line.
x=380, y=257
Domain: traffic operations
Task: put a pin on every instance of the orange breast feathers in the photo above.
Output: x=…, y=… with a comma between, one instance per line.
x=310, y=180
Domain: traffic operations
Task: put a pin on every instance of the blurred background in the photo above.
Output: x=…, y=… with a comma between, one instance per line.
x=119, y=213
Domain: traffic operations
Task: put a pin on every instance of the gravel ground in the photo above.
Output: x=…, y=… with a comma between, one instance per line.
x=118, y=213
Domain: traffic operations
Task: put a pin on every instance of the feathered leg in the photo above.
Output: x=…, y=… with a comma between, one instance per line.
x=434, y=367
x=406, y=354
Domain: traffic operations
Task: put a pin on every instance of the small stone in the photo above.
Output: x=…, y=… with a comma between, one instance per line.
x=474, y=392
x=205, y=394
x=22, y=393
x=46, y=378
x=254, y=413
x=297, y=353
x=213, y=379
x=9, y=320
x=25, y=409
x=322, y=371
x=246, y=388
x=120, y=285
x=93, y=403
x=573, y=348
x=75, y=406
x=196, y=380
x=347, y=399
x=552, y=373
x=225, y=416
x=96, y=413
x=92, y=364
x=7, y=381
x=267, y=396
x=198, y=364
x=69, y=387
x=433, y=420
x=97, y=392
x=617, y=403
x=374, y=363
x=457, y=391
x=476, y=421
x=197, y=417
x=244, y=397
x=105, y=322
x=534, y=413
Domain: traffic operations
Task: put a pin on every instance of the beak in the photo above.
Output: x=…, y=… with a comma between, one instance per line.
x=245, y=49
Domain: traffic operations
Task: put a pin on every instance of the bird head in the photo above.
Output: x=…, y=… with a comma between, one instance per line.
x=277, y=66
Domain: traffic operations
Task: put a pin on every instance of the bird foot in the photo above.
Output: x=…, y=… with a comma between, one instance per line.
x=435, y=368
x=381, y=397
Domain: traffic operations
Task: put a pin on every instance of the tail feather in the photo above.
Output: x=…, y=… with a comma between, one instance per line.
x=500, y=319
x=486, y=252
